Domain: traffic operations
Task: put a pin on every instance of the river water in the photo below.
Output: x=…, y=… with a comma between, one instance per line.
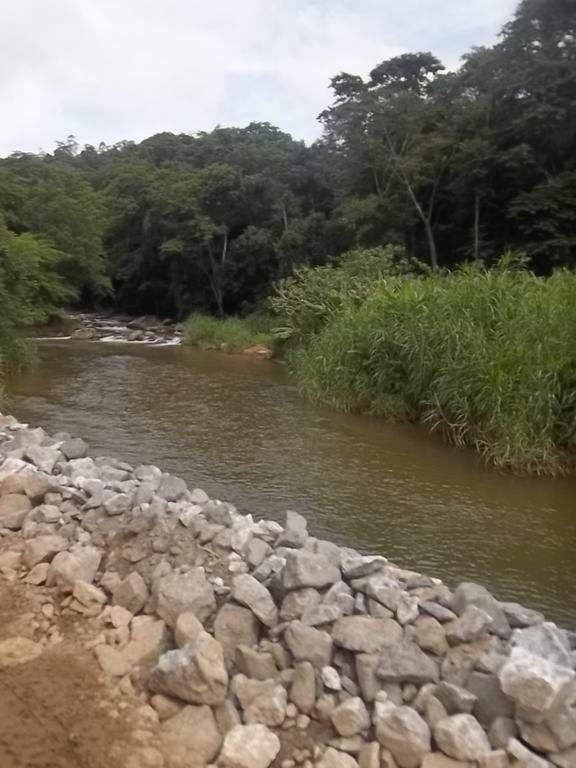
x=238, y=428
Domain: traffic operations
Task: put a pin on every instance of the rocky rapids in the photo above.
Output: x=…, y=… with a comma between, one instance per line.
x=241, y=643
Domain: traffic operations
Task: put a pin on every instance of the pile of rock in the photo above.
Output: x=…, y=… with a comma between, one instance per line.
x=112, y=328
x=242, y=633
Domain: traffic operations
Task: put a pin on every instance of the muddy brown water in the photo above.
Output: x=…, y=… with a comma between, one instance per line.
x=238, y=428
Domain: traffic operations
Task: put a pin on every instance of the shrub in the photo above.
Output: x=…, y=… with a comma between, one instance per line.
x=486, y=357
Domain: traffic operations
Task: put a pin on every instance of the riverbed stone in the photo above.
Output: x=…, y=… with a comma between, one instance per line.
x=149, y=638
x=438, y=611
x=255, y=664
x=307, y=569
x=196, y=673
x=295, y=531
x=430, y=635
x=257, y=551
x=469, y=593
x=111, y=661
x=303, y=687
x=545, y=640
x=262, y=701
x=308, y=644
x=118, y=504
x=176, y=593
x=520, y=617
x=43, y=457
x=438, y=760
x=455, y=699
x=188, y=628
x=351, y=717
x=404, y=733
x=298, y=601
x=74, y=448
x=533, y=683
x=334, y=758
x=131, y=593
x=365, y=634
x=79, y=563
x=491, y=701
x=235, y=625
x=404, y=662
x=172, y=488
x=469, y=626
x=462, y=737
x=380, y=587
x=249, y=746
x=42, y=549
x=14, y=508
x=191, y=731
x=248, y=591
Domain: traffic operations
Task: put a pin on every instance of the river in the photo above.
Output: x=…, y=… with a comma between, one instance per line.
x=238, y=428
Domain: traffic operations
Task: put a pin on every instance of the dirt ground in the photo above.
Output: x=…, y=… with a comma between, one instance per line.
x=57, y=711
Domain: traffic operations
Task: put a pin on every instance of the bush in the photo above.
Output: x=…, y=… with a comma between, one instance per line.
x=234, y=333
x=306, y=300
x=488, y=358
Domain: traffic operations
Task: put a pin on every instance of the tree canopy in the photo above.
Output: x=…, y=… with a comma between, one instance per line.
x=446, y=166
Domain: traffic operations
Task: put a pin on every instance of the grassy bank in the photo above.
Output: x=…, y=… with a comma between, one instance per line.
x=232, y=334
x=488, y=358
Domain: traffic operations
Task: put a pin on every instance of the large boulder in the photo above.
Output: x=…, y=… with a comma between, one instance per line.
x=14, y=507
x=534, y=683
x=469, y=593
x=191, y=732
x=364, y=634
x=309, y=644
x=249, y=746
x=462, y=737
x=545, y=640
x=295, y=531
x=351, y=717
x=262, y=701
x=234, y=626
x=247, y=591
x=308, y=569
x=131, y=593
x=404, y=732
x=79, y=563
x=176, y=593
x=172, y=488
x=196, y=673
x=404, y=662
x=42, y=549
x=44, y=458
x=303, y=688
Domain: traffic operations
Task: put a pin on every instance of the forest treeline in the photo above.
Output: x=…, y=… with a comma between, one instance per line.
x=448, y=166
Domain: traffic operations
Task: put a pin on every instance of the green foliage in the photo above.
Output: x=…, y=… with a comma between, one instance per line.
x=31, y=289
x=488, y=358
x=310, y=297
x=54, y=201
x=234, y=334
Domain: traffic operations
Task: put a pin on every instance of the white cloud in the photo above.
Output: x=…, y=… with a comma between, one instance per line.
x=124, y=69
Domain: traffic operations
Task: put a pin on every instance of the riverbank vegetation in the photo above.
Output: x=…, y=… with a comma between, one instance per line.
x=231, y=334
x=359, y=238
x=485, y=357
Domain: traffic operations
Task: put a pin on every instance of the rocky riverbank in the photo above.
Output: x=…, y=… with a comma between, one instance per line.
x=145, y=625
x=116, y=328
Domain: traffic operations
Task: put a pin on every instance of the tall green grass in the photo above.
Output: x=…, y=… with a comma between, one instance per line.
x=487, y=358
x=233, y=334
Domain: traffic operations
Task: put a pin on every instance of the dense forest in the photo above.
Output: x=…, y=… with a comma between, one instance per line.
x=448, y=166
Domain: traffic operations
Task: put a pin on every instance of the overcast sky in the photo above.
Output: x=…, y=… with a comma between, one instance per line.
x=106, y=70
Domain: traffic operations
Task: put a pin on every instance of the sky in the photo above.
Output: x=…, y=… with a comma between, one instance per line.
x=108, y=70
